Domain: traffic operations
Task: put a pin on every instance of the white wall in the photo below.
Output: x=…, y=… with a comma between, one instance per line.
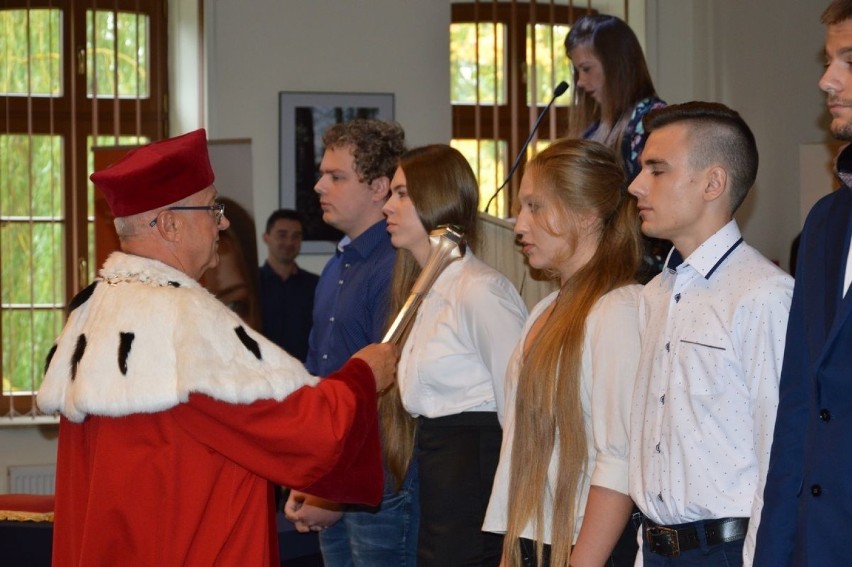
x=763, y=58
x=26, y=445
x=259, y=48
x=184, y=67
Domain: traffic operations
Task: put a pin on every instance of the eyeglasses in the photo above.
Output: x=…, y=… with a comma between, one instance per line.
x=217, y=208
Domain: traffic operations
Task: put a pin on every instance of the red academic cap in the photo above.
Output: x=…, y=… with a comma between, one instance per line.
x=156, y=175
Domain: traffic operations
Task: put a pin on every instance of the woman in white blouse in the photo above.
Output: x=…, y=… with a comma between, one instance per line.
x=560, y=493
x=453, y=361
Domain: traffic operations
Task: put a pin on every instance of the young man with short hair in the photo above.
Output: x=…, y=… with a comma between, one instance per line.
x=286, y=291
x=712, y=326
x=809, y=489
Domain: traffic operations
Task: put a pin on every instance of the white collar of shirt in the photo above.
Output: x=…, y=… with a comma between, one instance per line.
x=707, y=257
x=344, y=242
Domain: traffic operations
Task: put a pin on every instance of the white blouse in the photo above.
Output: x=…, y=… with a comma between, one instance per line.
x=608, y=368
x=456, y=354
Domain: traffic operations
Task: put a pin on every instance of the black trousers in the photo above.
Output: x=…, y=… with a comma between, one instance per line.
x=458, y=458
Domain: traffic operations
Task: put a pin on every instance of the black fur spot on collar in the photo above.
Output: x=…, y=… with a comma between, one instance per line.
x=125, y=341
x=82, y=297
x=78, y=355
x=248, y=342
x=49, y=357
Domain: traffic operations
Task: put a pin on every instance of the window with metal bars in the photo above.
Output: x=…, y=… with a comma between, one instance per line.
x=72, y=75
x=505, y=60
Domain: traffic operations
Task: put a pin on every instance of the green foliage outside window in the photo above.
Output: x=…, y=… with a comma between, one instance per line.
x=27, y=338
x=30, y=63
x=486, y=158
x=31, y=244
x=549, y=71
x=33, y=229
x=121, y=42
x=463, y=58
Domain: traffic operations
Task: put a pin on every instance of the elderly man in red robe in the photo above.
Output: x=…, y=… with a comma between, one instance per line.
x=174, y=414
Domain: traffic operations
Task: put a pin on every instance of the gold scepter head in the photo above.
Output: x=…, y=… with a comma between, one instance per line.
x=447, y=244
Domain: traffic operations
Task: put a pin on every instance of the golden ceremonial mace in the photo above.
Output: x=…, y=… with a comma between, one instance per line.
x=447, y=245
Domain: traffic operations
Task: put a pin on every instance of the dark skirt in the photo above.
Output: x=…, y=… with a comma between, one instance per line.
x=458, y=457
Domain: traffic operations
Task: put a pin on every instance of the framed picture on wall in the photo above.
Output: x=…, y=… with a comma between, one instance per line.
x=303, y=118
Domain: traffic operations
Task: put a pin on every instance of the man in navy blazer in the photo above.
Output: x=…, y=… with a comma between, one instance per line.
x=807, y=514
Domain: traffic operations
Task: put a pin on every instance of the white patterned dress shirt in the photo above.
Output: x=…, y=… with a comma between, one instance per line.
x=713, y=330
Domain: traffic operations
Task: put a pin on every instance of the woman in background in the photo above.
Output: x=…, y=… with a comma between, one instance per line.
x=614, y=89
x=234, y=279
x=560, y=492
x=613, y=93
x=453, y=359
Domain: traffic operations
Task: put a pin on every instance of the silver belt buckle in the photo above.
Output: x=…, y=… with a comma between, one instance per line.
x=668, y=533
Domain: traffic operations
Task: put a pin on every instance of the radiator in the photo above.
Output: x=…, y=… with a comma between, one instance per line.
x=32, y=479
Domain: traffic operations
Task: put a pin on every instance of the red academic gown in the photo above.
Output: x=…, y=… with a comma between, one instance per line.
x=187, y=486
x=175, y=417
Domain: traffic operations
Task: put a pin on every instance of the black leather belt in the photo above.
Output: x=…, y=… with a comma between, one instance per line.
x=671, y=541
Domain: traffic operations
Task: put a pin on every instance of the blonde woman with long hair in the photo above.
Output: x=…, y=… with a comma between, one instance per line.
x=560, y=492
x=452, y=362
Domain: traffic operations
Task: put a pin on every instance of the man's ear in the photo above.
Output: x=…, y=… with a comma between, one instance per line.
x=717, y=183
x=168, y=225
x=380, y=186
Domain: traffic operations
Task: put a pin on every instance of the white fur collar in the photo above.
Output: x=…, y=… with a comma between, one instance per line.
x=121, y=267
x=148, y=336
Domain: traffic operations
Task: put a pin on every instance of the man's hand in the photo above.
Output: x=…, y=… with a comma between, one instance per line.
x=311, y=514
x=382, y=359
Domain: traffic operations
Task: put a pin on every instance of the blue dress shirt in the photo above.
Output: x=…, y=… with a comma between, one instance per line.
x=351, y=301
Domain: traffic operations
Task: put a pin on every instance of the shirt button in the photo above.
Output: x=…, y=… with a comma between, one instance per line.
x=660, y=496
x=658, y=447
x=677, y=297
x=339, y=282
x=325, y=357
x=825, y=415
x=668, y=347
x=331, y=319
x=816, y=490
x=346, y=265
x=663, y=399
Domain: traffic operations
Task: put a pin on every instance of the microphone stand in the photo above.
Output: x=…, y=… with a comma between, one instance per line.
x=557, y=92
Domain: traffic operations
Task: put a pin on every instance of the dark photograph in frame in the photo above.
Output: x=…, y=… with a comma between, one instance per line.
x=304, y=117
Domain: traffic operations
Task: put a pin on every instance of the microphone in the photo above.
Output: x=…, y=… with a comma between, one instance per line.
x=557, y=92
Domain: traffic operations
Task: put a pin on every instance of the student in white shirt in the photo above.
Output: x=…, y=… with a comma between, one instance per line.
x=453, y=360
x=560, y=493
x=713, y=327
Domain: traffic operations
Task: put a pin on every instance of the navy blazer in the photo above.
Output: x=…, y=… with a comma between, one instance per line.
x=807, y=514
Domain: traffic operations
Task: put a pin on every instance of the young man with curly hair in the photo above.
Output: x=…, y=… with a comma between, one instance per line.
x=350, y=310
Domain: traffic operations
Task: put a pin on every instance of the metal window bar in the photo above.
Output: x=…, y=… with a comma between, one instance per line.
x=39, y=122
